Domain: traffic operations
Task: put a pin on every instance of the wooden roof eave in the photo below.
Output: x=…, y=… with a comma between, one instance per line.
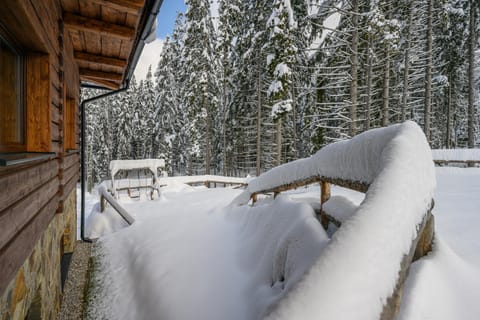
x=94, y=65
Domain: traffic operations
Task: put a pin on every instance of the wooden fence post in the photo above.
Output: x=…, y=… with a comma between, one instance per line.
x=324, y=196
x=102, y=203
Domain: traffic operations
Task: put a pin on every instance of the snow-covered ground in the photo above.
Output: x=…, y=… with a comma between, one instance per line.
x=191, y=255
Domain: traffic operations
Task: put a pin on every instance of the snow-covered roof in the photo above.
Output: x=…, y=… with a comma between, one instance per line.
x=151, y=164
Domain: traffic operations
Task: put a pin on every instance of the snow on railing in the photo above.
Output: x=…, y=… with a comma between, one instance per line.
x=207, y=180
x=367, y=259
x=446, y=156
x=105, y=196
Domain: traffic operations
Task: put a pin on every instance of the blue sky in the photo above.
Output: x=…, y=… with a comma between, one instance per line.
x=166, y=16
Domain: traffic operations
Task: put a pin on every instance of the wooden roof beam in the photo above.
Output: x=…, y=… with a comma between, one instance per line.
x=102, y=75
x=104, y=83
x=99, y=59
x=81, y=23
x=128, y=6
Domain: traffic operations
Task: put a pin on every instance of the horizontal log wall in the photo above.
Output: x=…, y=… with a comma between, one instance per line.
x=26, y=208
x=34, y=192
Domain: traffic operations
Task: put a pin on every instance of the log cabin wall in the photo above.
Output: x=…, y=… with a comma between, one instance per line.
x=56, y=44
x=38, y=200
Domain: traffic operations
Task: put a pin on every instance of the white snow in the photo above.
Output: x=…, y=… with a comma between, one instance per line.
x=360, y=159
x=151, y=164
x=281, y=70
x=456, y=154
x=281, y=107
x=190, y=248
x=339, y=207
x=190, y=255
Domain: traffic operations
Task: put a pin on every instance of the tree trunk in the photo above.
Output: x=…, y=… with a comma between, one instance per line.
x=368, y=104
x=428, y=73
x=386, y=88
x=208, y=139
x=406, y=70
x=259, y=122
x=294, y=115
x=279, y=141
x=225, y=113
x=471, y=66
x=448, y=140
x=354, y=60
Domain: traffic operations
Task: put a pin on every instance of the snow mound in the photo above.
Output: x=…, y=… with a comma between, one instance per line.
x=216, y=262
x=339, y=207
x=359, y=268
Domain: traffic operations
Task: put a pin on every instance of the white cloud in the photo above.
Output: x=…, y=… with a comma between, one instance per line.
x=150, y=56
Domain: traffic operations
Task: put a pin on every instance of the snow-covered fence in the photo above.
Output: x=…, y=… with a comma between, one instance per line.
x=206, y=180
x=105, y=196
x=471, y=157
x=368, y=258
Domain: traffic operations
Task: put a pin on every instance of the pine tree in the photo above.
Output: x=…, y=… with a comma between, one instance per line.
x=202, y=84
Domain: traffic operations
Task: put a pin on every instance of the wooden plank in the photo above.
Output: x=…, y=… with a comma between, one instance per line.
x=55, y=115
x=69, y=173
x=69, y=160
x=20, y=18
x=129, y=6
x=95, y=74
x=38, y=103
x=113, y=16
x=21, y=183
x=14, y=218
x=69, y=124
x=105, y=83
x=45, y=13
x=14, y=254
x=99, y=59
x=353, y=185
x=56, y=147
x=56, y=135
x=68, y=187
x=80, y=23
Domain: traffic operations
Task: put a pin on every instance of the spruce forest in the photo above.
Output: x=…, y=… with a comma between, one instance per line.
x=271, y=81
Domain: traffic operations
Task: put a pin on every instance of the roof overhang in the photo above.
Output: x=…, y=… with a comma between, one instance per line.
x=108, y=37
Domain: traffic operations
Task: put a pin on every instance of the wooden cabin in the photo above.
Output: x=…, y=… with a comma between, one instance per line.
x=48, y=50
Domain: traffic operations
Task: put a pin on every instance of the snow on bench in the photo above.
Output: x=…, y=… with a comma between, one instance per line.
x=367, y=259
x=446, y=156
x=128, y=165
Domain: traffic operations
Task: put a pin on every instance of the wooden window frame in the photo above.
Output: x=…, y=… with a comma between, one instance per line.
x=21, y=106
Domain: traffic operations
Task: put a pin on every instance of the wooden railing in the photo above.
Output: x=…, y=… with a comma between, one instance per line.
x=206, y=180
x=373, y=158
x=105, y=196
x=325, y=183
x=420, y=246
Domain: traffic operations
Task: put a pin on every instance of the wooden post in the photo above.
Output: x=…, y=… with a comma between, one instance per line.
x=102, y=203
x=324, y=196
x=254, y=198
x=275, y=194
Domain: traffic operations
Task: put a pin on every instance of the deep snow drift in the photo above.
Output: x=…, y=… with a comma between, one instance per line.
x=188, y=256
x=180, y=238
x=191, y=255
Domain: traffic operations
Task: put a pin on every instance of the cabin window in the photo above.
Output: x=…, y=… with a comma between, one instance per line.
x=12, y=110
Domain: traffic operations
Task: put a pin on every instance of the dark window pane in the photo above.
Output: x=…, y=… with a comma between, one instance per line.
x=11, y=110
